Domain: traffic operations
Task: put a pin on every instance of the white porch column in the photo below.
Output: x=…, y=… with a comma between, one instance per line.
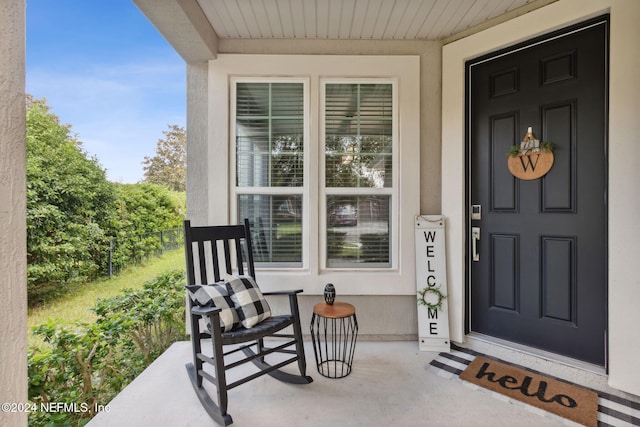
x=13, y=277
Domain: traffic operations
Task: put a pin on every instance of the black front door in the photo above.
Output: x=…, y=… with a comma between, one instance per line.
x=539, y=277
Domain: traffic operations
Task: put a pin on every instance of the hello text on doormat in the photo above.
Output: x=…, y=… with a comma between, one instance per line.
x=563, y=399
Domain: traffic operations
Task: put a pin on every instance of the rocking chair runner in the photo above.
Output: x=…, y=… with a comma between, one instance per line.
x=204, y=268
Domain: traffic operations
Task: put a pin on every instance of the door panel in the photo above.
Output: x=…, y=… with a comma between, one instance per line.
x=504, y=194
x=558, y=279
x=541, y=277
x=504, y=272
x=558, y=121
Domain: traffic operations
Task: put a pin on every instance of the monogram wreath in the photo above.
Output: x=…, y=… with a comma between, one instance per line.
x=422, y=300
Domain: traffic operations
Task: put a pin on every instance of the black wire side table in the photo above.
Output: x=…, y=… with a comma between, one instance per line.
x=334, y=331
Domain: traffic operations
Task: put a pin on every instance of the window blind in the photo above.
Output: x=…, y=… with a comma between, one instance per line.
x=358, y=130
x=269, y=134
x=358, y=135
x=269, y=145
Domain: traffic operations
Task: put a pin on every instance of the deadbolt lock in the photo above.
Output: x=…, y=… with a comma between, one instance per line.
x=476, y=212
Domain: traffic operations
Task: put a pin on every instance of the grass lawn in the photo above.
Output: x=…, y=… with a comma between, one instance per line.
x=74, y=306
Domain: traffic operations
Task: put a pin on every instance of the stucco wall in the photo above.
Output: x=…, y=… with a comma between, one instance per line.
x=624, y=150
x=13, y=281
x=197, y=153
x=380, y=318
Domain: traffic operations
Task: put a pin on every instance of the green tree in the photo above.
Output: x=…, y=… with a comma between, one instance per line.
x=69, y=204
x=168, y=166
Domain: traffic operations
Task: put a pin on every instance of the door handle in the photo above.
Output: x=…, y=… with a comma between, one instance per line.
x=475, y=237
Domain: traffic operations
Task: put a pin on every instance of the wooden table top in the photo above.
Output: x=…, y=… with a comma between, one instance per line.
x=336, y=311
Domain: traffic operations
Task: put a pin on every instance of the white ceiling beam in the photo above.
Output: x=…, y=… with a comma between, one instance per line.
x=184, y=25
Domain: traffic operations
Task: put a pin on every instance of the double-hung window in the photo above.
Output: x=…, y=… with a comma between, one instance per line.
x=358, y=181
x=355, y=149
x=318, y=160
x=270, y=167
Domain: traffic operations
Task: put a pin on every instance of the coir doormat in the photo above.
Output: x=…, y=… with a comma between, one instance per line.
x=563, y=399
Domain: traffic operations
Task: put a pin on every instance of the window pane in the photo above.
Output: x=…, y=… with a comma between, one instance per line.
x=358, y=231
x=358, y=135
x=276, y=225
x=269, y=134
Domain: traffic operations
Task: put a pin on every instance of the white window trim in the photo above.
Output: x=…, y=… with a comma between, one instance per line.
x=405, y=70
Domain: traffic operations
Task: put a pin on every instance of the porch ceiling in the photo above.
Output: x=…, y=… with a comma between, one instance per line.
x=194, y=27
x=350, y=19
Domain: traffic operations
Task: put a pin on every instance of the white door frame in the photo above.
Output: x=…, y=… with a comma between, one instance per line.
x=624, y=91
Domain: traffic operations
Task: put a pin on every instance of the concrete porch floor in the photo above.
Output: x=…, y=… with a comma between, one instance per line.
x=391, y=384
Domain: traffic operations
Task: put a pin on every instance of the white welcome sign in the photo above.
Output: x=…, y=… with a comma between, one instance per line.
x=431, y=283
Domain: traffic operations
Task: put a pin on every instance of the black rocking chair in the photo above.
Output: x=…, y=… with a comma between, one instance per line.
x=204, y=266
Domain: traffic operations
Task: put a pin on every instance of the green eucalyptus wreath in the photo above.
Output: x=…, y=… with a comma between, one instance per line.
x=545, y=146
x=431, y=290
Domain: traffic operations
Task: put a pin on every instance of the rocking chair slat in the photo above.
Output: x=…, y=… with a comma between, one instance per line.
x=239, y=256
x=263, y=352
x=239, y=259
x=203, y=263
x=216, y=265
x=205, y=358
x=267, y=370
x=207, y=375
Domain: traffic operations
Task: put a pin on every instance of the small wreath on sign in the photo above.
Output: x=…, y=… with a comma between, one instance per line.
x=422, y=300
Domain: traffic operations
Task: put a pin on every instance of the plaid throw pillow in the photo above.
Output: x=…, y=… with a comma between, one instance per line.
x=251, y=305
x=216, y=295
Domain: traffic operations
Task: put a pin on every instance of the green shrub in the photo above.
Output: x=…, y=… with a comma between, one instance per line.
x=152, y=316
x=81, y=365
x=141, y=211
x=88, y=364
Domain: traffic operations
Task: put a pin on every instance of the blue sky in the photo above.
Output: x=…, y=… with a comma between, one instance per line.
x=106, y=71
